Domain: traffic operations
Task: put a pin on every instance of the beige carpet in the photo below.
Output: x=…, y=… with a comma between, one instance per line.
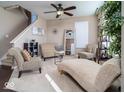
x=49, y=80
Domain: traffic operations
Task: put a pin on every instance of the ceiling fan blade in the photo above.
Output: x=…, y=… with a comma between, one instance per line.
x=50, y=12
x=57, y=16
x=69, y=14
x=54, y=6
x=70, y=8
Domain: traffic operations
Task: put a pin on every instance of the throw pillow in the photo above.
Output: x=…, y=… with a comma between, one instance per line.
x=26, y=55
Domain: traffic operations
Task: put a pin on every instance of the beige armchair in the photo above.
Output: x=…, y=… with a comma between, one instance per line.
x=47, y=50
x=33, y=64
x=89, y=52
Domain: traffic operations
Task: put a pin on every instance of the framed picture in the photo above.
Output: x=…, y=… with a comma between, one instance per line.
x=37, y=31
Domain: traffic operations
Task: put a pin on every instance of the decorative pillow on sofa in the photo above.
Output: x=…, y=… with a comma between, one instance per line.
x=26, y=55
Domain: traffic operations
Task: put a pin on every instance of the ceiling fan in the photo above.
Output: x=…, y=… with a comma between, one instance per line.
x=60, y=10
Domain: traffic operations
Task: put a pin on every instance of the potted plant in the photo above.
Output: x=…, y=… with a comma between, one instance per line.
x=111, y=22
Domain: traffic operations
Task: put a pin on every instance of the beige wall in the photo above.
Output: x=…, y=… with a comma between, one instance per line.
x=61, y=25
x=11, y=23
x=28, y=36
x=15, y=18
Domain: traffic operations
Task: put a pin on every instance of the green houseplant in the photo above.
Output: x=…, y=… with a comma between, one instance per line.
x=110, y=23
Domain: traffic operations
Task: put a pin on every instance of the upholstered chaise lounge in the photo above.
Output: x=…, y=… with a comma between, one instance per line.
x=90, y=75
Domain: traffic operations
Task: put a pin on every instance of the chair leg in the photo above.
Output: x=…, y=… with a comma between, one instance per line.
x=20, y=73
x=44, y=59
x=78, y=57
x=40, y=70
x=94, y=59
x=119, y=89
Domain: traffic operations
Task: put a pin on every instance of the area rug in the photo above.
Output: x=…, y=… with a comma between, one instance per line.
x=29, y=82
x=49, y=80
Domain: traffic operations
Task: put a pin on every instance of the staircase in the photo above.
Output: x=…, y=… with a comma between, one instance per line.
x=24, y=11
x=8, y=60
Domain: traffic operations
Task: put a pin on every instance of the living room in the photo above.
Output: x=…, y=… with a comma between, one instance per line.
x=50, y=48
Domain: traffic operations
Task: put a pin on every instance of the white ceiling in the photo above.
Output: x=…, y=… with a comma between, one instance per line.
x=83, y=8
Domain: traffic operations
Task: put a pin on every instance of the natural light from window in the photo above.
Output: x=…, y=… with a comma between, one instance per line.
x=81, y=34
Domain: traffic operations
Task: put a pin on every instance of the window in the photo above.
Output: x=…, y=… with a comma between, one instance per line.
x=34, y=17
x=81, y=34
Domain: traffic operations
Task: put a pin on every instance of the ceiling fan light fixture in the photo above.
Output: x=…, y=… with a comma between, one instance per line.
x=60, y=12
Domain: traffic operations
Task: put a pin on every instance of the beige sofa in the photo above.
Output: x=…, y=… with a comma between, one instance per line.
x=89, y=52
x=33, y=64
x=47, y=50
x=90, y=75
